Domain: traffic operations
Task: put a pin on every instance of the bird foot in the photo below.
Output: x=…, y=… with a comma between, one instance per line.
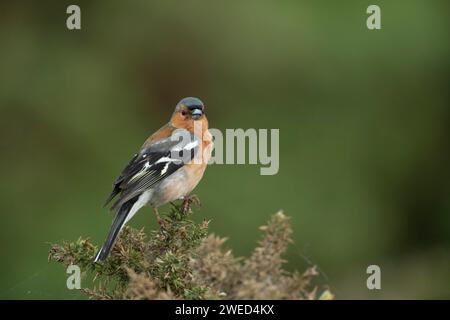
x=187, y=201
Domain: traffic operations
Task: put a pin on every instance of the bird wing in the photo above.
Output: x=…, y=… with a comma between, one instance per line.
x=152, y=164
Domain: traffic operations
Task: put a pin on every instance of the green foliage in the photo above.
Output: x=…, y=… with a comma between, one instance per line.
x=181, y=261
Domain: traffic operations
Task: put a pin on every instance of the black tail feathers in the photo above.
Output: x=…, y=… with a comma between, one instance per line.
x=117, y=225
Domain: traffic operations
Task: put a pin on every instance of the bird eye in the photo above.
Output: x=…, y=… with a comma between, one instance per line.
x=183, y=113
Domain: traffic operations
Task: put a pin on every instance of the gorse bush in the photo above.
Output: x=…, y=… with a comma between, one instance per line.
x=181, y=261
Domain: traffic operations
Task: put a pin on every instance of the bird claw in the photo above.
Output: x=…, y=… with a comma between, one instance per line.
x=187, y=201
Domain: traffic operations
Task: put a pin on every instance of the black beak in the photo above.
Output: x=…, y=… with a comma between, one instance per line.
x=196, y=114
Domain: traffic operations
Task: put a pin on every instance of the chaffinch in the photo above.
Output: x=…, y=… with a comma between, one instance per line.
x=164, y=170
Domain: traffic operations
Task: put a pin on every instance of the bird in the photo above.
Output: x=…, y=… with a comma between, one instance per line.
x=168, y=166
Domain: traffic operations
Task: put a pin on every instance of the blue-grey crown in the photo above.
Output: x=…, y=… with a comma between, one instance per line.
x=191, y=103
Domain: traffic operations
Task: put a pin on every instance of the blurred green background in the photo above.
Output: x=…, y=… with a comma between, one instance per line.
x=363, y=118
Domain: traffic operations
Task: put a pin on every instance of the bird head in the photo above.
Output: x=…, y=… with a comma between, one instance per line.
x=188, y=111
x=190, y=108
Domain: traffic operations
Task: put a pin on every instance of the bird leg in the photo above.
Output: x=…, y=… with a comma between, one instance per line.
x=158, y=218
x=187, y=201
